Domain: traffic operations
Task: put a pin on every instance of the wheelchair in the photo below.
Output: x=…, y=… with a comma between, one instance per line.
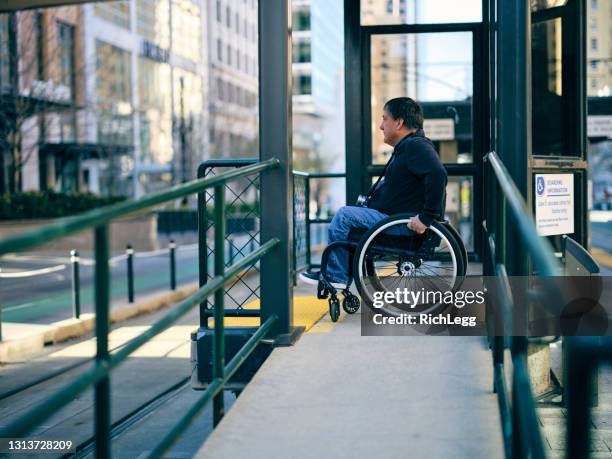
x=388, y=257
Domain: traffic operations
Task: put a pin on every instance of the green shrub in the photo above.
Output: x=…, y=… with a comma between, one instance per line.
x=49, y=204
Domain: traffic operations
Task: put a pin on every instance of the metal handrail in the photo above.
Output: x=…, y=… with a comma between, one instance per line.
x=99, y=373
x=521, y=414
x=541, y=250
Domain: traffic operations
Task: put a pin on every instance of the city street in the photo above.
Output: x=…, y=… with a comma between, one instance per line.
x=47, y=297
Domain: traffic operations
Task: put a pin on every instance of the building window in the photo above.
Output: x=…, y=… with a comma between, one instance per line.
x=594, y=4
x=65, y=43
x=116, y=12
x=5, y=68
x=245, y=29
x=237, y=23
x=220, y=91
x=228, y=16
x=301, y=19
x=594, y=44
x=219, y=50
x=302, y=85
x=113, y=94
x=218, y=10
x=301, y=51
x=238, y=61
x=229, y=55
x=594, y=64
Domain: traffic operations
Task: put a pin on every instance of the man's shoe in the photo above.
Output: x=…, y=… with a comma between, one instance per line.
x=310, y=277
x=313, y=278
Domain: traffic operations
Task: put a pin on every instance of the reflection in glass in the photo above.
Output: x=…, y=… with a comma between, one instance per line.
x=380, y=12
x=460, y=208
x=547, y=86
x=435, y=69
x=537, y=5
x=155, y=117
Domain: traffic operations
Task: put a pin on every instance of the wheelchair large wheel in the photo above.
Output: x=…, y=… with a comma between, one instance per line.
x=390, y=258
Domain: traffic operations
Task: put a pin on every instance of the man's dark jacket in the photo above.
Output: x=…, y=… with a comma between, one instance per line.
x=414, y=180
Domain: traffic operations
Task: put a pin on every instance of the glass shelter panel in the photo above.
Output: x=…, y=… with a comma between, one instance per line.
x=435, y=69
x=382, y=12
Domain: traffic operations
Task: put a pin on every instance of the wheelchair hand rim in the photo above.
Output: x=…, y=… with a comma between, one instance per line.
x=362, y=253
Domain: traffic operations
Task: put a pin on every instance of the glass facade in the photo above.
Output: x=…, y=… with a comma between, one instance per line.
x=186, y=28
x=116, y=12
x=438, y=76
x=153, y=21
x=547, y=77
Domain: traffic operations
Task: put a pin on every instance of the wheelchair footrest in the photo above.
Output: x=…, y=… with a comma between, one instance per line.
x=322, y=291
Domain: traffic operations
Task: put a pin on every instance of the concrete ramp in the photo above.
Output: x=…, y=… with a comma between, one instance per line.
x=337, y=394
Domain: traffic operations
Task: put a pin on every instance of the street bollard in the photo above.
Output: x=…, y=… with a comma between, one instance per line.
x=172, y=247
x=76, y=284
x=130, y=272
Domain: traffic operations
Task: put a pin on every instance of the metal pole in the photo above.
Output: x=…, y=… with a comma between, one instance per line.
x=252, y=245
x=76, y=284
x=172, y=247
x=275, y=130
x=102, y=388
x=130, y=272
x=219, y=338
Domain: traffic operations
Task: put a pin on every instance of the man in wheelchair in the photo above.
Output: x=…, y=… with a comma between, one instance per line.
x=414, y=180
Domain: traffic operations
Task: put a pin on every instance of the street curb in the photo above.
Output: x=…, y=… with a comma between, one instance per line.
x=19, y=349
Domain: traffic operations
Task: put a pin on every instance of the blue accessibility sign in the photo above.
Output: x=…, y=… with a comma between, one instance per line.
x=540, y=186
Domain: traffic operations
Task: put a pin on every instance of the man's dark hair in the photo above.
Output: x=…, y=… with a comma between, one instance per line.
x=406, y=109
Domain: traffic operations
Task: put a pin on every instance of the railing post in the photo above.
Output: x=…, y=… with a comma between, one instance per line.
x=129, y=251
x=172, y=247
x=76, y=284
x=202, y=247
x=102, y=387
x=307, y=210
x=219, y=338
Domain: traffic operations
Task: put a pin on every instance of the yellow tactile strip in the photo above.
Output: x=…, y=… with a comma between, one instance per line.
x=307, y=311
x=603, y=258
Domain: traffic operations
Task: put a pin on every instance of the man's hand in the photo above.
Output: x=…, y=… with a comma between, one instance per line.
x=416, y=225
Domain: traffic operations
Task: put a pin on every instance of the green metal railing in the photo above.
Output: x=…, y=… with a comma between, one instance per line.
x=98, y=375
x=520, y=427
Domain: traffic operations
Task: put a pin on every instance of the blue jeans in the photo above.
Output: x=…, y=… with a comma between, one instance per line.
x=347, y=218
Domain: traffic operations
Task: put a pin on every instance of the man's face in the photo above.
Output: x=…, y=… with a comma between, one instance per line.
x=391, y=128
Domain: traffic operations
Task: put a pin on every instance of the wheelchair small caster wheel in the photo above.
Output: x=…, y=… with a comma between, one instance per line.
x=350, y=304
x=334, y=309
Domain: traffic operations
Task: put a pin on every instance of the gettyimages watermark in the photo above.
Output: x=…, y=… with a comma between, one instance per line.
x=478, y=305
